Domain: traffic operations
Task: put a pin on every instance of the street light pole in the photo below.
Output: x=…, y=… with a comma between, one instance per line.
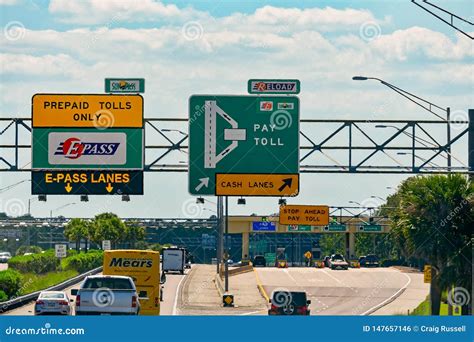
x=425, y=104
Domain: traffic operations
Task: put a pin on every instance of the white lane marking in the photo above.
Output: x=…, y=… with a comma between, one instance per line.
x=389, y=299
x=175, y=304
x=253, y=312
x=289, y=275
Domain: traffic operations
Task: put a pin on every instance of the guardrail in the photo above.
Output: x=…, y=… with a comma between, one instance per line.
x=22, y=300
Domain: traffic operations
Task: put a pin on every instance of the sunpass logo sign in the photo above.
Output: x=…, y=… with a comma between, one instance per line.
x=68, y=148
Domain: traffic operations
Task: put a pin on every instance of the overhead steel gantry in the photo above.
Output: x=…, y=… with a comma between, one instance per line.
x=326, y=146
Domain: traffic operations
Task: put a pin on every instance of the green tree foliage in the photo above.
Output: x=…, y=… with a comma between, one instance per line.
x=433, y=221
x=332, y=243
x=107, y=226
x=10, y=282
x=76, y=230
x=133, y=233
x=28, y=249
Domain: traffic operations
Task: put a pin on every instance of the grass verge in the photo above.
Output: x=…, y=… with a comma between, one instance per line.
x=34, y=282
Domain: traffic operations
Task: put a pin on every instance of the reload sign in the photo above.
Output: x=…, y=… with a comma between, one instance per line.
x=265, y=86
x=315, y=215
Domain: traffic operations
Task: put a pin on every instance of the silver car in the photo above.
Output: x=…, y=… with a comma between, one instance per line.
x=4, y=257
x=53, y=303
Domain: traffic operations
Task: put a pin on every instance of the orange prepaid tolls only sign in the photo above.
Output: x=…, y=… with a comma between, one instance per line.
x=87, y=110
x=257, y=184
x=314, y=215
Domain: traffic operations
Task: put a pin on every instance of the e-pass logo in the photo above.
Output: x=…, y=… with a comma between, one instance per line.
x=266, y=106
x=74, y=148
x=87, y=148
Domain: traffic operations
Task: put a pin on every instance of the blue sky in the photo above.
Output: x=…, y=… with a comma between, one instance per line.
x=190, y=47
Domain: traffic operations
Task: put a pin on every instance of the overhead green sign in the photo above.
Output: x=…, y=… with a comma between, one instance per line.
x=241, y=135
x=370, y=228
x=299, y=228
x=87, y=148
x=333, y=227
x=124, y=85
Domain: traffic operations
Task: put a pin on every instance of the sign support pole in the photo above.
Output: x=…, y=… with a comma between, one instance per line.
x=219, y=233
x=226, y=243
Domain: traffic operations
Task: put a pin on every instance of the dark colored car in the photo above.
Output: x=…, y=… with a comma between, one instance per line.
x=326, y=260
x=259, y=260
x=370, y=260
x=289, y=303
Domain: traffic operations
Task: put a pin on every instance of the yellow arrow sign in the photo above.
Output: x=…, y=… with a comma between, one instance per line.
x=238, y=184
x=68, y=187
x=109, y=187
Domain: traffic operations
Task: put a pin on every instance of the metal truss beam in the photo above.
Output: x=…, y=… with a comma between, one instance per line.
x=327, y=146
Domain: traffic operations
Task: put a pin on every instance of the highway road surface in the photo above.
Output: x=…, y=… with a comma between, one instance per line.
x=338, y=292
x=3, y=267
x=168, y=305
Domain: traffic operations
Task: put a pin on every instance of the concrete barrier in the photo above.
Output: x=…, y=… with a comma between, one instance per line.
x=22, y=300
x=235, y=271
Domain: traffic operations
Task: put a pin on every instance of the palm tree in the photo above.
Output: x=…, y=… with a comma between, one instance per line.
x=433, y=222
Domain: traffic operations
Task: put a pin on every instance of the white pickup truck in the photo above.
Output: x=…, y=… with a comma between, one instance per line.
x=107, y=295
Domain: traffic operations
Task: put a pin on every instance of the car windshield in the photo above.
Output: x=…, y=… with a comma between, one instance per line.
x=338, y=257
x=5, y=254
x=110, y=283
x=295, y=298
x=52, y=295
x=371, y=258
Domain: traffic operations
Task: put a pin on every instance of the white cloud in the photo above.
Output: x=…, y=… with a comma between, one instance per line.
x=8, y=2
x=435, y=45
x=46, y=66
x=110, y=11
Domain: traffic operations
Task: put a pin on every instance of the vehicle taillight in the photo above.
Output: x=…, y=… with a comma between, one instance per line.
x=302, y=310
x=40, y=302
x=134, y=301
x=78, y=300
x=63, y=302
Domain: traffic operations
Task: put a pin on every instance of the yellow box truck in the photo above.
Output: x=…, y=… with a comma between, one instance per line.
x=144, y=268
